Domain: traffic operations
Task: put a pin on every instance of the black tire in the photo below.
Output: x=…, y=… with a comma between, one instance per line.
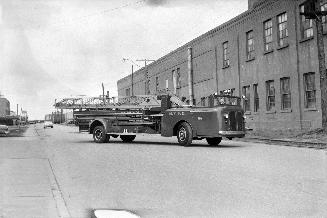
x=107, y=139
x=185, y=134
x=99, y=134
x=128, y=138
x=214, y=141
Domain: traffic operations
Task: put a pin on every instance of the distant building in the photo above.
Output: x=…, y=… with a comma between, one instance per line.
x=267, y=54
x=4, y=107
x=55, y=117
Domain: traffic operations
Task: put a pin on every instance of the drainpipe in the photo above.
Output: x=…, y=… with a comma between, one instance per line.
x=190, y=75
x=132, y=80
x=239, y=66
x=216, y=74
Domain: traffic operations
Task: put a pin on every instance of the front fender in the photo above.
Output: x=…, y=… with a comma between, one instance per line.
x=169, y=125
x=97, y=122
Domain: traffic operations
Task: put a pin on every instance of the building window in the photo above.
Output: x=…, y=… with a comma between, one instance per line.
x=246, y=98
x=225, y=55
x=324, y=21
x=147, y=87
x=270, y=89
x=268, y=39
x=157, y=84
x=256, y=97
x=285, y=92
x=309, y=90
x=128, y=92
x=179, y=82
x=282, y=29
x=203, y=101
x=249, y=45
x=306, y=25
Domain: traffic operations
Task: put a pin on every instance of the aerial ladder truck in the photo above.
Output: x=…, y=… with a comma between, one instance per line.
x=166, y=115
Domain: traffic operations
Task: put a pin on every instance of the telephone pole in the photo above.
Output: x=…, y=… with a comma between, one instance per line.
x=145, y=61
x=103, y=97
x=312, y=10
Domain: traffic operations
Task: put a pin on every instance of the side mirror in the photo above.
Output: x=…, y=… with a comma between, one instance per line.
x=102, y=213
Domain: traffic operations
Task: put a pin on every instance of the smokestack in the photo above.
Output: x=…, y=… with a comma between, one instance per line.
x=190, y=74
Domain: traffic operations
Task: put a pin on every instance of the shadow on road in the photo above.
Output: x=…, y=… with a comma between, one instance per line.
x=160, y=143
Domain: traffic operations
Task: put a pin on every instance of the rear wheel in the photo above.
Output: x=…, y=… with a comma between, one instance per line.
x=184, y=134
x=127, y=138
x=99, y=135
x=214, y=141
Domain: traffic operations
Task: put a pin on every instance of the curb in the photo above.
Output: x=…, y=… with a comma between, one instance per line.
x=57, y=194
x=314, y=145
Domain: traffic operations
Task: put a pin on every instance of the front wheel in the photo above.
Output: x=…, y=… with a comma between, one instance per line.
x=99, y=135
x=184, y=134
x=214, y=141
x=127, y=138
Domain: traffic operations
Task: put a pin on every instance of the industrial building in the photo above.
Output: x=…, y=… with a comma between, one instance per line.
x=267, y=54
x=4, y=107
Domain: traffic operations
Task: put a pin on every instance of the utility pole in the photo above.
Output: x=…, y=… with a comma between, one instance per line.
x=103, y=94
x=312, y=10
x=145, y=61
x=132, y=75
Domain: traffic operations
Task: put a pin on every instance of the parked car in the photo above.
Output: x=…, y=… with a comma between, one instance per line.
x=48, y=124
x=4, y=129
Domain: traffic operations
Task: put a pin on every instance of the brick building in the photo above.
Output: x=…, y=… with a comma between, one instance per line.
x=268, y=54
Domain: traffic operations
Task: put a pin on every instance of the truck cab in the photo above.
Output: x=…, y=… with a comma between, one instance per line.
x=223, y=118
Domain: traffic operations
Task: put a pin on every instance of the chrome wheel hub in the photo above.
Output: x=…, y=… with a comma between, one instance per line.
x=182, y=134
x=98, y=134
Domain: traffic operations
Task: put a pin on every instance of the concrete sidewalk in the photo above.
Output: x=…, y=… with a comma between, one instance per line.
x=28, y=190
x=316, y=143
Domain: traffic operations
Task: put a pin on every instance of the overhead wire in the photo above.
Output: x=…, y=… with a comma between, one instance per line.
x=106, y=11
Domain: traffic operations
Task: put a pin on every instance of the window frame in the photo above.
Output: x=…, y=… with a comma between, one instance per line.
x=147, y=87
x=226, y=62
x=128, y=92
x=256, y=99
x=307, y=91
x=247, y=100
x=157, y=83
x=268, y=35
x=282, y=29
x=286, y=96
x=306, y=25
x=270, y=105
x=250, y=49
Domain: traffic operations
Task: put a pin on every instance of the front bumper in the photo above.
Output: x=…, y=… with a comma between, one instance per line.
x=237, y=134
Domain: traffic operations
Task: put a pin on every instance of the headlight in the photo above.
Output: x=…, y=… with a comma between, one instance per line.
x=226, y=116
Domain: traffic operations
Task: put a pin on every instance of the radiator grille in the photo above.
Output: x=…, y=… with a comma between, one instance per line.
x=235, y=121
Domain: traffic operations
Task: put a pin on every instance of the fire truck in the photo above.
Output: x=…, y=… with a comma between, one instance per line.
x=166, y=115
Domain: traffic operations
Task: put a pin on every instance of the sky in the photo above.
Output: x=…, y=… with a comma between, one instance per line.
x=53, y=49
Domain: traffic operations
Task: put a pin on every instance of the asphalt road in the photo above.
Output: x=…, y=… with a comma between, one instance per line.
x=155, y=177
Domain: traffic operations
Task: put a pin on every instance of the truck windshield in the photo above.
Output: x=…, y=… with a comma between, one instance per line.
x=221, y=100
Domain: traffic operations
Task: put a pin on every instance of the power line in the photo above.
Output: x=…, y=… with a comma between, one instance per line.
x=107, y=11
